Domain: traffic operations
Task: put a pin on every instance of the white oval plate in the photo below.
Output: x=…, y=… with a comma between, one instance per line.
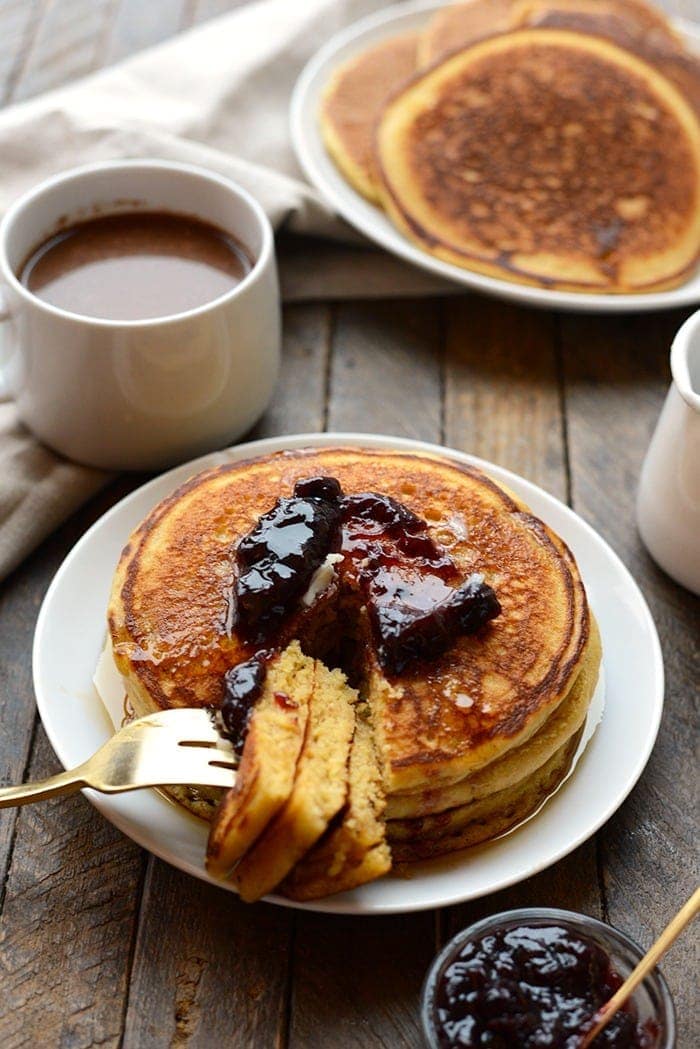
x=70, y=635
x=375, y=224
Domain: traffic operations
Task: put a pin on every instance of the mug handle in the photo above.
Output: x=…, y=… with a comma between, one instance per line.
x=4, y=318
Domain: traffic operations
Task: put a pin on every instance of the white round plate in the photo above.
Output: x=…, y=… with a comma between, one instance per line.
x=70, y=634
x=375, y=224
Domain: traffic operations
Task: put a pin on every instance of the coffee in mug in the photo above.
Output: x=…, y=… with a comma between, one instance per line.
x=135, y=265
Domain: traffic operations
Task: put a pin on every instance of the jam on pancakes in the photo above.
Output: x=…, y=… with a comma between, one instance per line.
x=242, y=686
x=531, y=986
x=388, y=556
x=405, y=577
x=277, y=559
x=416, y=603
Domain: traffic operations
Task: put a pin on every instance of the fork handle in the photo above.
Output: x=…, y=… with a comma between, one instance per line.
x=54, y=786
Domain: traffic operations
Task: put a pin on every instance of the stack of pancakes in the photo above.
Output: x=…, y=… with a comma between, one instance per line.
x=551, y=142
x=450, y=752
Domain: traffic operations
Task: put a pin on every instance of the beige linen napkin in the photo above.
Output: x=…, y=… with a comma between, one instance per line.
x=218, y=96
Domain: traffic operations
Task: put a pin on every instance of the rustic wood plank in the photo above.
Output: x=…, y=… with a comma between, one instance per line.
x=385, y=375
x=18, y=22
x=357, y=982
x=60, y=859
x=20, y=599
x=298, y=405
x=208, y=969
x=572, y=884
x=219, y=973
x=137, y=25
x=19, y=603
x=67, y=923
x=66, y=45
x=502, y=395
x=616, y=373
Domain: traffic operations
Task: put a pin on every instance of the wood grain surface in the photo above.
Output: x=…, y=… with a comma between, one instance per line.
x=100, y=943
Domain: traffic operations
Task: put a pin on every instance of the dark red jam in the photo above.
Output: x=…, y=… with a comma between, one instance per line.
x=532, y=986
x=285, y=702
x=277, y=559
x=417, y=617
x=242, y=686
x=406, y=579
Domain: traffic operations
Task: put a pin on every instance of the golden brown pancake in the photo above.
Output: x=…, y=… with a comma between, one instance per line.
x=459, y=25
x=355, y=850
x=630, y=25
x=482, y=820
x=640, y=18
x=463, y=746
x=549, y=157
x=353, y=101
x=170, y=614
x=506, y=796
x=266, y=774
x=319, y=792
x=518, y=764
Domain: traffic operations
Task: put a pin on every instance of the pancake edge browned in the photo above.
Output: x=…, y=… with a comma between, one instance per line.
x=501, y=267
x=350, y=168
x=430, y=55
x=522, y=807
x=517, y=763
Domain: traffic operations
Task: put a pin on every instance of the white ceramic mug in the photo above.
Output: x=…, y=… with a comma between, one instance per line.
x=139, y=394
x=668, y=500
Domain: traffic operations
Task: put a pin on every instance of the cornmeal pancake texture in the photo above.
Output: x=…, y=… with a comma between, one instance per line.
x=267, y=771
x=517, y=764
x=632, y=25
x=353, y=101
x=482, y=820
x=170, y=610
x=547, y=156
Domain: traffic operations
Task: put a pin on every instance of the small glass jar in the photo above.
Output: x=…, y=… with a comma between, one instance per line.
x=652, y=998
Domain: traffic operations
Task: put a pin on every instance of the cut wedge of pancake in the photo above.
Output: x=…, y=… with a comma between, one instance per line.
x=265, y=776
x=355, y=851
x=516, y=765
x=458, y=25
x=549, y=157
x=482, y=820
x=353, y=101
x=319, y=792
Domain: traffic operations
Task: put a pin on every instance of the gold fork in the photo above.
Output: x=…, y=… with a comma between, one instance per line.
x=172, y=747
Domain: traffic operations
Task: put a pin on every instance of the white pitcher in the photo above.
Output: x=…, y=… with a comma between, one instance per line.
x=668, y=500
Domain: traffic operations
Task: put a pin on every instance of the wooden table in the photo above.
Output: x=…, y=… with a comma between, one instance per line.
x=100, y=943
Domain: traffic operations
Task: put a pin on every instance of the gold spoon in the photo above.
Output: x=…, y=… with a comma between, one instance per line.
x=675, y=927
